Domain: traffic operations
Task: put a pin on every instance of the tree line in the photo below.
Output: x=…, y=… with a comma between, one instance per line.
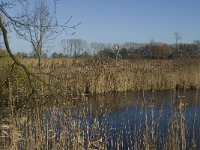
x=78, y=48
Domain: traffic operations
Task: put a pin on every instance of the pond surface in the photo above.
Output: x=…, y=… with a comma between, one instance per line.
x=131, y=120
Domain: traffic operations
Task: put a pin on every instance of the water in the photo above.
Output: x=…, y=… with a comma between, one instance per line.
x=131, y=120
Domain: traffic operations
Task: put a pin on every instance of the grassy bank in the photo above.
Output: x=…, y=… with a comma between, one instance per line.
x=99, y=76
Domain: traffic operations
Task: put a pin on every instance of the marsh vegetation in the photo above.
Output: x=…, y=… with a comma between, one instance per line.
x=101, y=104
x=108, y=75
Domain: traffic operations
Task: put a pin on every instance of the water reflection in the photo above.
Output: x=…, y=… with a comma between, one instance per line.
x=134, y=120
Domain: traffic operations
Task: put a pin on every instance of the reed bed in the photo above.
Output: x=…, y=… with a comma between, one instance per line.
x=59, y=115
x=102, y=76
x=70, y=78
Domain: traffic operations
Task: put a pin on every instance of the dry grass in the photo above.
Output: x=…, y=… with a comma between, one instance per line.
x=70, y=78
x=100, y=76
x=32, y=128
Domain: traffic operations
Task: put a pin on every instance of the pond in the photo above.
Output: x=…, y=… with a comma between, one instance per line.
x=130, y=120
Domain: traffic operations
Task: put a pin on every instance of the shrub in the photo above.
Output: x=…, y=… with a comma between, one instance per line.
x=3, y=53
x=106, y=53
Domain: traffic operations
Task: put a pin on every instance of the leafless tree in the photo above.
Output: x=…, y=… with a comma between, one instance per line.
x=116, y=49
x=74, y=46
x=96, y=46
x=41, y=25
x=133, y=45
x=39, y=30
x=177, y=37
x=35, y=24
x=197, y=42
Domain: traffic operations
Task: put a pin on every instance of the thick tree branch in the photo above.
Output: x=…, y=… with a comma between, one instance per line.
x=17, y=62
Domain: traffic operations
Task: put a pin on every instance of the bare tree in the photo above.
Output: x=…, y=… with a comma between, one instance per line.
x=41, y=25
x=22, y=23
x=177, y=37
x=40, y=29
x=96, y=46
x=116, y=49
x=69, y=46
x=197, y=42
x=133, y=45
x=74, y=46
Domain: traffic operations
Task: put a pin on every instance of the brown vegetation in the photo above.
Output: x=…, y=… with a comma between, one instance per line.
x=101, y=76
x=124, y=75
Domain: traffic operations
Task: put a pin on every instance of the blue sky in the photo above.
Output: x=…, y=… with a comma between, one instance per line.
x=119, y=21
